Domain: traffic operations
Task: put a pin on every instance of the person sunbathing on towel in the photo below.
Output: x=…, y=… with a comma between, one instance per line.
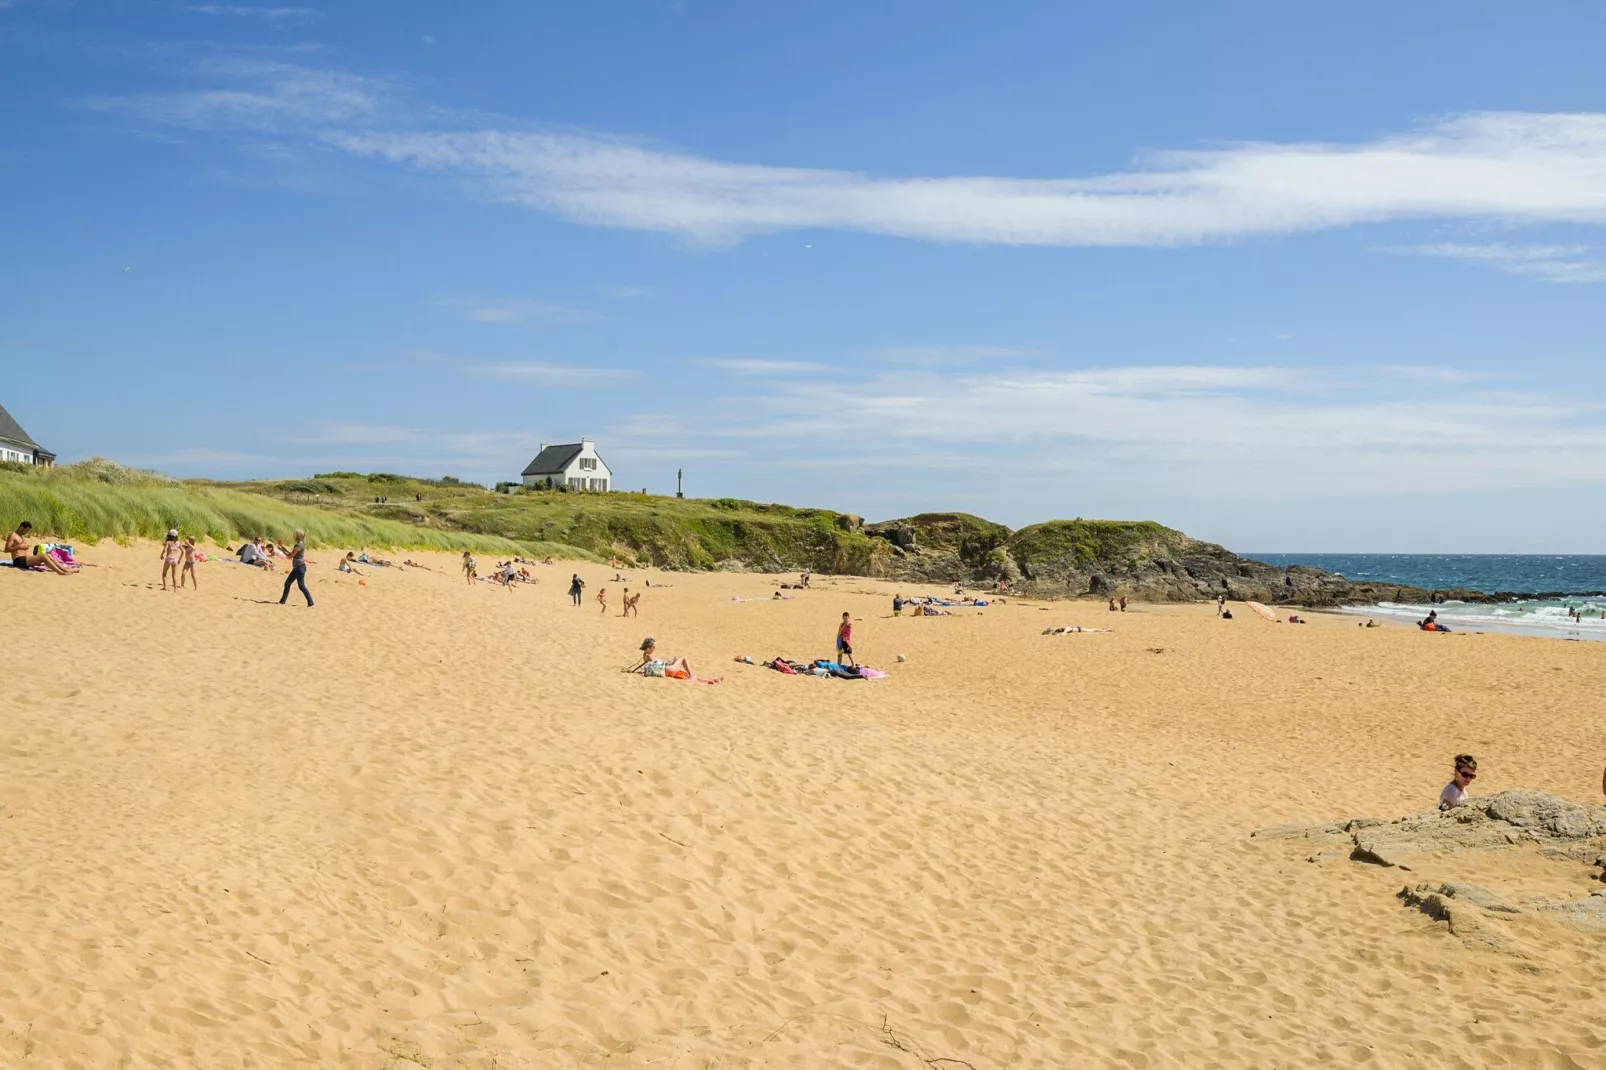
x=677, y=668
x=17, y=550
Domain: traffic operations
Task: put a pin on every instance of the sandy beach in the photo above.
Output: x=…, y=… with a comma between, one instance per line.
x=427, y=824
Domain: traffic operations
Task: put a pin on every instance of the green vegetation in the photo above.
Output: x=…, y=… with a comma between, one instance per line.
x=100, y=499
x=1126, y=544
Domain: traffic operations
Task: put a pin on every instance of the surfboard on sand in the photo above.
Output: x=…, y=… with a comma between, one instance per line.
x=1263, y=611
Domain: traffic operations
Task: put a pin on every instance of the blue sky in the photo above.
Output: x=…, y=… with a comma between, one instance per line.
x=1284, y=278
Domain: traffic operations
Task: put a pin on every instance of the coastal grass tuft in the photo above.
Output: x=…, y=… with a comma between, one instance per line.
x=86, y=504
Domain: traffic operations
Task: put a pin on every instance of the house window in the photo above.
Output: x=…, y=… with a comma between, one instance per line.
x=588, y=464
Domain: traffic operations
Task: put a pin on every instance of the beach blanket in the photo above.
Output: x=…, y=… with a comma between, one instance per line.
x=1263, y=611
x=1072, y=629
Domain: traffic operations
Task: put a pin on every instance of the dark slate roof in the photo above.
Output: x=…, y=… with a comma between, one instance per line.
x=552, y=460
x=11, y=432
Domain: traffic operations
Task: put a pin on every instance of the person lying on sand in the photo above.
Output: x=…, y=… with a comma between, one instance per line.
x=410, y=563
x=677, y=668
x=1455, y=792
x=17, y=550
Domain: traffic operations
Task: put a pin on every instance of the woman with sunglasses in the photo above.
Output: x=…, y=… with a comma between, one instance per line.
x=1455, y=792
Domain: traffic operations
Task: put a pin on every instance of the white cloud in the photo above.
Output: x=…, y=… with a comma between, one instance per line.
x=1550, y=263
x=273, y=15
x=1248, y=433
x=937, y=356
x=571, y=375
x=266, y=96
x=1508, y=166
x=1514, y=167
x=756, y=366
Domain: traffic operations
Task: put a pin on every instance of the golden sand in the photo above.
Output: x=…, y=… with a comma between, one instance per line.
x=427, y=824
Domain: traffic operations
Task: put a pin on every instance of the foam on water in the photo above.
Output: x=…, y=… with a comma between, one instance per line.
x=1549, y=618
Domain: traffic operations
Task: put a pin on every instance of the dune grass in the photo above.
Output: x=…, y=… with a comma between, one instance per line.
x=72, y=506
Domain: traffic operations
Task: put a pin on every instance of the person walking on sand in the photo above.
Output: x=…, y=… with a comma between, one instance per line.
x=577, y=587
x=1455, y=792
x=17, y=550
x=172, y=554
x=1123, y=603
x=1221, y=603
x=470, y=567
x=602, y=599
x=189, y=563
x=298, y=570
x=844, y=641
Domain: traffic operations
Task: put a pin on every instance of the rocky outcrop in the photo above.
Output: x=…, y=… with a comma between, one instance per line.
x=1108, y=558
x=1556, y=830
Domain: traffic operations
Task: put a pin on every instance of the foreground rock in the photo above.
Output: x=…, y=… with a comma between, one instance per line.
x=1559, y=832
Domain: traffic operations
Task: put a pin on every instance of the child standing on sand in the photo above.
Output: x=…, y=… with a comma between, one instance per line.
x=469, y=567
x=189, y=563
x=602, y=599
x=171, y=555
x=844, y=641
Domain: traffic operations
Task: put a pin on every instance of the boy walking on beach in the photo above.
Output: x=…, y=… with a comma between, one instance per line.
x=844, y=642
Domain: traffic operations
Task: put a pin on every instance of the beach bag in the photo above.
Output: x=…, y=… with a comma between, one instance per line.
x=677, y=674
x=653, y=668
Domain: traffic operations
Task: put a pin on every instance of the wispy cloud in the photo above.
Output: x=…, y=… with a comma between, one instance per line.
x=572, y=375
x=360, y=434
x=1513, y=167
x=272, y=15
x=757, y=366
x=262, y=96
x=939, y=356
x=520, y=310
x=1549, y=263
x=1508, y=166
x=1251, y=432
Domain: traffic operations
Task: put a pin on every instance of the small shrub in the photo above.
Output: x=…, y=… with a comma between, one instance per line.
x=338, y=475
x=385, y=477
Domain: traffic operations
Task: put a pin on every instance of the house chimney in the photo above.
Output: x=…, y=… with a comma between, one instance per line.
x=587, y=442
x=542, y=449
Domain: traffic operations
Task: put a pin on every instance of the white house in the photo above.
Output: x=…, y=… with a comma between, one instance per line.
x=575, y=465
x=15, y=445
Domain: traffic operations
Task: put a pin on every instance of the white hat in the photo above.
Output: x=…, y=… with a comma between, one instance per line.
x=172, y=533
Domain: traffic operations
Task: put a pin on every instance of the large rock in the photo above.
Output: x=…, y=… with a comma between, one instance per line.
x=1553, y=828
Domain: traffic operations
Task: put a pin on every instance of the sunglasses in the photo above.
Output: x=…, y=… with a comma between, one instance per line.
x=1469, y=774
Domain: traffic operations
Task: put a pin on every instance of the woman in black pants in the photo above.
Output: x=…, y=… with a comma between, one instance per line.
x=298, y=570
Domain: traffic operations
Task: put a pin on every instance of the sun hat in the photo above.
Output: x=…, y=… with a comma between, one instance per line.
x=645, y=643
x=172, y=533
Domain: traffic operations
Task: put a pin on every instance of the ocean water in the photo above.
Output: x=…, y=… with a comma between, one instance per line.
x=1580, y=573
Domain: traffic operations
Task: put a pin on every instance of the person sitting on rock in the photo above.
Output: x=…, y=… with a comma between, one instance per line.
x=1455, y=792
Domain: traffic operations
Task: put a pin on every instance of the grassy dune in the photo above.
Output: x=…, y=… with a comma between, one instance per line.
x=100, y=501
